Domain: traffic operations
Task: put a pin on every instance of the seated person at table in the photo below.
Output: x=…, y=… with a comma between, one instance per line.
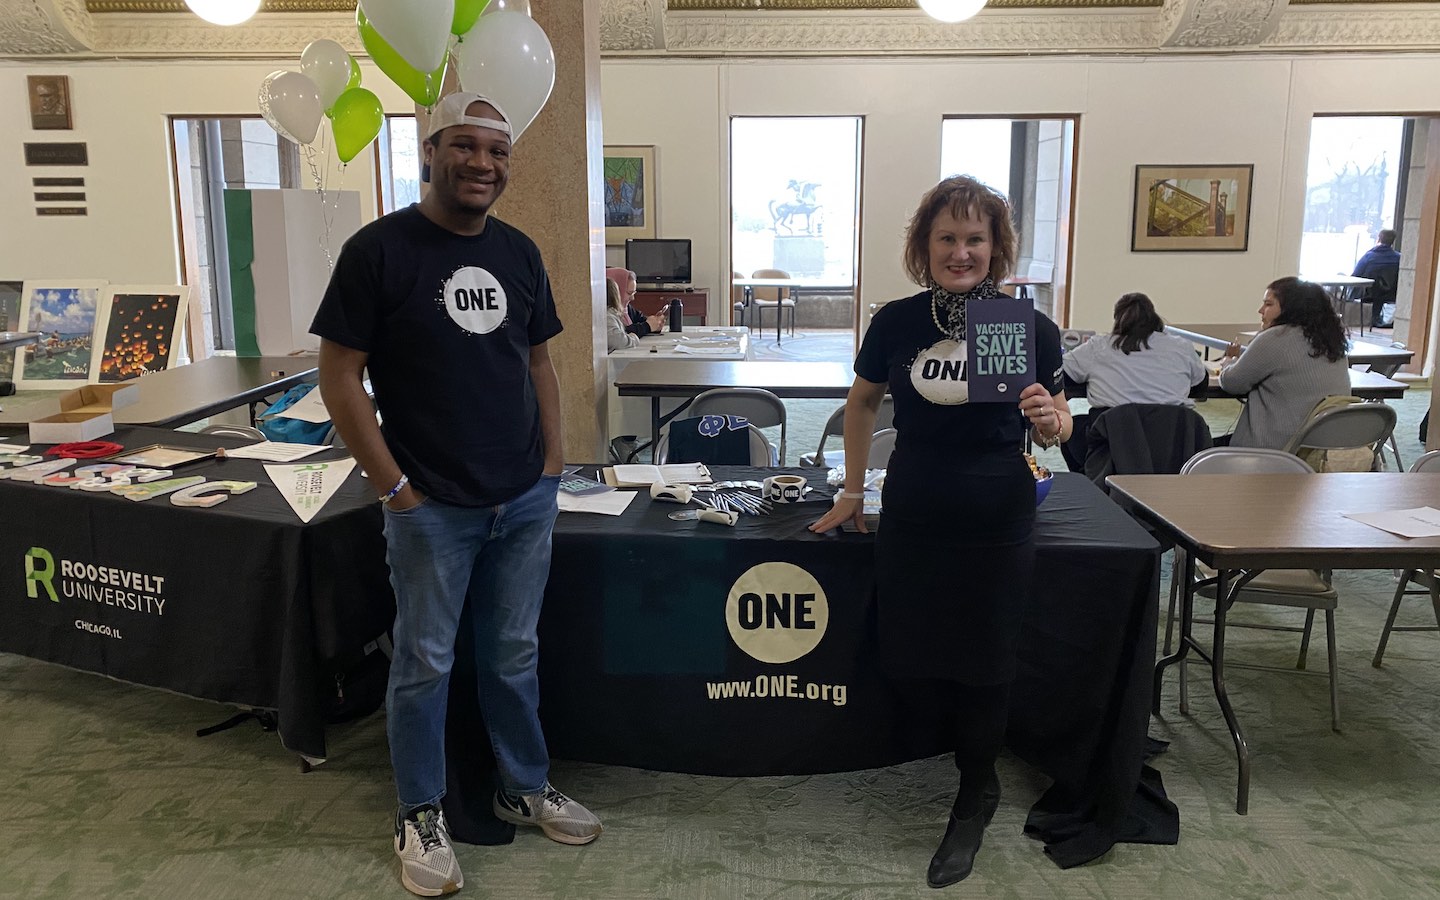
x=955, y=552
x=1382, y=264
x=1136, y=363
x=616, y=337
x=1297, y=360
x=635, y=322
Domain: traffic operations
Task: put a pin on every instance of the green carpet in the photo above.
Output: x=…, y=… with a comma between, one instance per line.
x=110, y=795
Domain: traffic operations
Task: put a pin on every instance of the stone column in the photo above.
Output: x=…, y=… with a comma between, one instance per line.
x=554, y=196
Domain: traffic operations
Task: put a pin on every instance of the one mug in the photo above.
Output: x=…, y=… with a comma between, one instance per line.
x=785, y=488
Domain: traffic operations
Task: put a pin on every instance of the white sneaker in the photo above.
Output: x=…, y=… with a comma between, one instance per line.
x=427, y=861
x=561, y=818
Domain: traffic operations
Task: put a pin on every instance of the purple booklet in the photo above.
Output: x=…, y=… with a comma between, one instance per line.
x=1000, y=341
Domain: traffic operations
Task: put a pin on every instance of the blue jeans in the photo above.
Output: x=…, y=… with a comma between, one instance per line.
x=497, y=559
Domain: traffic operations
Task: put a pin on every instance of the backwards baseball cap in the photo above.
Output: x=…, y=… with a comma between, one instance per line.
x=453, y=110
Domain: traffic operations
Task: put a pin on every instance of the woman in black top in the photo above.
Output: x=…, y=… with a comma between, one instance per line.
x=955, y=551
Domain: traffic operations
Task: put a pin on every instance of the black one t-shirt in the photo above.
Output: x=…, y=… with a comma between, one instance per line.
x=448, y=321
x=927, y=430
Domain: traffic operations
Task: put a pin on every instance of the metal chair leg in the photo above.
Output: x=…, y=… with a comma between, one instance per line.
x=1305, y=638
x=1334, y=676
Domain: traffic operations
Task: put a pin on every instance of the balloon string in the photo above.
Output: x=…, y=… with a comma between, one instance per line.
x=319, y=182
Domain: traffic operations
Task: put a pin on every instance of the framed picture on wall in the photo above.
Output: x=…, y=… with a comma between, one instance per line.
x=630, y=207
x=65, y=313
x=1192, y=207
x=49, y=102
x=138, y=331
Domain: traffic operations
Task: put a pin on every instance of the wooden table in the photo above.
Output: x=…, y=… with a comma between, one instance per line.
x=685, y=378
x=1241, y=525
x=1382, y=360
x=186, y=394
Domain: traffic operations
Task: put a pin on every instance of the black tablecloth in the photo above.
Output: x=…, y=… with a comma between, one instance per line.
x=636, y=660
x=240, y=603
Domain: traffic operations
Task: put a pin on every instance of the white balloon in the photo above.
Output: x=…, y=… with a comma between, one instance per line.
x=290, y=103
x=328, y=65
x=496, y=6
x=508, y=58
x=418, y=30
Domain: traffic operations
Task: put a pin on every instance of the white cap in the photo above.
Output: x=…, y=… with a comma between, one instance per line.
x=451, y=111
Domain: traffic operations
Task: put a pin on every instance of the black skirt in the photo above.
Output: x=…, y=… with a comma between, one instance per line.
x=954, y=557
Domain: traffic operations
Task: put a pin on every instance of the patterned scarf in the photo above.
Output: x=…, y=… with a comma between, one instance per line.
x=948, y=308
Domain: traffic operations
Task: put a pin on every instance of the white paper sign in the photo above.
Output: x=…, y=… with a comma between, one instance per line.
x=276, y=451
x=308, y=488
x=609, y=504
x=1422, y=521
x=309, y=408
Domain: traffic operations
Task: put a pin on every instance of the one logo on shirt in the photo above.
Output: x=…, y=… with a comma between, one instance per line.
x=475, y=300
x=939, y=375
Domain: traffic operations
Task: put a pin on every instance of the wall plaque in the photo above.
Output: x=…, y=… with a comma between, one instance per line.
x=69, y=154
x=61, y=211
x=59, y=195
x=58, y=182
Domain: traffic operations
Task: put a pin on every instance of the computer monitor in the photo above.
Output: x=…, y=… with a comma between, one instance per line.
x=658, y=261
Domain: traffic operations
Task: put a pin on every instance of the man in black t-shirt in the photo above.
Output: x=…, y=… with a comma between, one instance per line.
x=450, y=310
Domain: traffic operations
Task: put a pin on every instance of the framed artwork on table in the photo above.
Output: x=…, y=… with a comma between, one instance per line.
x=630, y=207
x=138, y=330
x=66, y=313
x=49, y=102
x=1192, y=207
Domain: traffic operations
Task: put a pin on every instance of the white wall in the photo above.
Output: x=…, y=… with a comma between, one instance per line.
x=1238, y=109
x=121, y=111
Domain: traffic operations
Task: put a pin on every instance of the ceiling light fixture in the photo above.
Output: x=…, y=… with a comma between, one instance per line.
x=224, y=12
x=952, y=10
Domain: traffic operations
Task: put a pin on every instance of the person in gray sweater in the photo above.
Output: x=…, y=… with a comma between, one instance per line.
x=1297, y=360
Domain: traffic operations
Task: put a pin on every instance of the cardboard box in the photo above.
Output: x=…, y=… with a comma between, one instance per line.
x=85, y=414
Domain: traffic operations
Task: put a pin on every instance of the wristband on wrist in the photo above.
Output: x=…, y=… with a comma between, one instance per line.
x=1046, y=442
x=399, y=486
x=851, y=495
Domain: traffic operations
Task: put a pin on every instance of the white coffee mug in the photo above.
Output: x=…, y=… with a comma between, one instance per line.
x=785, y=488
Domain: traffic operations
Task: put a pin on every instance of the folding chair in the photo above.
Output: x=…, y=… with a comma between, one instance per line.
x=1427, y=579
x=761, y=407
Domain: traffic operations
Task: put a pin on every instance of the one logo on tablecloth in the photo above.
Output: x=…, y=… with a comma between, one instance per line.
x=475, y=300
x=40, y=572
x=777, y=612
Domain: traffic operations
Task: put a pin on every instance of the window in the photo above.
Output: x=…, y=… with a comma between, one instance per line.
x=399, y=152
x=794, y=197
x=1350, y=191
x=210, y=156
x=1031, y=162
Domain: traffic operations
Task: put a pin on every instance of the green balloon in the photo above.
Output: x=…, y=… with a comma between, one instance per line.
x=356, y=122
x=354, y=81
x=422, y=87
x=466, y=12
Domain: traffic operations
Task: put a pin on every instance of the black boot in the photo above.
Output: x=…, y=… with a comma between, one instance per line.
x=955, y=857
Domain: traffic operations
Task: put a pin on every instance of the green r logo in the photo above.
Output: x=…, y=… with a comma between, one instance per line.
x=40, y=571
